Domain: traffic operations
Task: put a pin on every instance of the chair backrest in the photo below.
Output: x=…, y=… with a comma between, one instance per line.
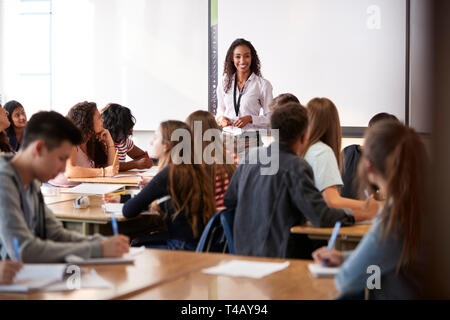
x=217, y=235
x=352, y=155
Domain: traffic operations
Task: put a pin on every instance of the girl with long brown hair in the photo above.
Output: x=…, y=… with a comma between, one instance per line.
x=322, y=152
x=224, y=163
x=185, y=186
x=95, y=156
x=394, y=160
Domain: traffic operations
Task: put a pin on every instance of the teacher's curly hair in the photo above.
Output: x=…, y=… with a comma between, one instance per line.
x=229, y=67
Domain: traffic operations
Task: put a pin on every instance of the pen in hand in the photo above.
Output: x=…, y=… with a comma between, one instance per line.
x=114, y=224
x=16, y=248
x=332, y=240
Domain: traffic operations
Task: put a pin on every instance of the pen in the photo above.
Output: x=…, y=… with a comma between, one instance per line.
x=147, y=154
x=114, y=193
x=115, y=159
x=332, y=239
x=114, y=224
x=366, y=193
x=16, y=248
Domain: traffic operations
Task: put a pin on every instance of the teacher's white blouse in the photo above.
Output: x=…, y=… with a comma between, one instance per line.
x=256, y=96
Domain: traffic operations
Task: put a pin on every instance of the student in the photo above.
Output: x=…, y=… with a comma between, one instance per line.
x=282, y=99
x=94, y=157
x=119, y=121
x=243, y=93
x=351, y=155
x=222, y=169
x=8, y=270
x=394, y=160
x=47, y=143
x=4, y=123
x=267, y=206
x=18, y=119
x=322, y=152
x=186, y=188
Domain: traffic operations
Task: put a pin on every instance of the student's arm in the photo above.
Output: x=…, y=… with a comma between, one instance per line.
x=362, y=210
x=140, y=160
x=157, y=188
x=231, y=196
x=373, y=249
x=74, y=171
x=265, y=99
x=32, y=248
x=310, y=202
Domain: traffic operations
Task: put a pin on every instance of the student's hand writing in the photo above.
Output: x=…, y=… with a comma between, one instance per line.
x=143, y=182
x=111, y=199
x=243, y=121
x=144, y=163
x=111, y=171
x=8, y=270
x=371, y=207
x=334, y=258
x=115, y=247
x=224, y=121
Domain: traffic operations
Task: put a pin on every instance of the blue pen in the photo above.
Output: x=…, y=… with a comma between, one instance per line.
x=114, y=224
x=16, y=248
x=332, y=240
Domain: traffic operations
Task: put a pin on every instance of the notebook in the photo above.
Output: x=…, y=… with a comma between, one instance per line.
x=319, y=271
x=126, y=259
x=34, y=277
x=95, y=188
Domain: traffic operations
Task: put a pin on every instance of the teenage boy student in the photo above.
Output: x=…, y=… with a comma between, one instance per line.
x=46, y=145
x=267, y=206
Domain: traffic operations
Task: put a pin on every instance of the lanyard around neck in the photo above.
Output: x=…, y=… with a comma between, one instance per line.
x=237, y=104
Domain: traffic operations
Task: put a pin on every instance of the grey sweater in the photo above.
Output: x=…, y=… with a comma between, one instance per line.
x=49, y=241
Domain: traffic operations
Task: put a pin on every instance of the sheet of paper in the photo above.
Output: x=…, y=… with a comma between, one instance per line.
x=126, y=259
x=153, y=171
x=125, y=175
x=235, y=131
x=319, y=271
x=249, y=269
x=113, y=207
x=27, y=285
x=88, y=280
x=364, y=222
x=95, y=188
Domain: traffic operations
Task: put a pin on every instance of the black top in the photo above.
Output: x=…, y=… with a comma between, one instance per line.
x=158, y=188
x=268, y=205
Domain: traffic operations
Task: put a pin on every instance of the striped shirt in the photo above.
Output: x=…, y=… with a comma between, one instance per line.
x=220, y=191
x=123, y=148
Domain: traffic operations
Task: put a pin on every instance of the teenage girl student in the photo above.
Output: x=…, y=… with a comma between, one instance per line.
x=322, y=152
x=18, y=119
x=186, y=188
x=4, y=123
x=95, y=156
x=394, y=160
x=222, y=169
x=119, y=121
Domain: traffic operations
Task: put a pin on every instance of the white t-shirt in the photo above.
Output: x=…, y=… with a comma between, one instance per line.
x=324, y=164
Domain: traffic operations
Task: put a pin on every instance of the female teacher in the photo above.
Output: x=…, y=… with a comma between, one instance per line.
x=243, y=92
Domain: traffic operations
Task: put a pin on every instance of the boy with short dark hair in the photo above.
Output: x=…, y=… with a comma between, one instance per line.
x=46, y=144
x=267, y=206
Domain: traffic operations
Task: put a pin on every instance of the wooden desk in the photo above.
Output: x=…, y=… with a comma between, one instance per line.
x=167, y=274
x=94, y=220
x=293, y=283
x=347, y=239
x=127, y=181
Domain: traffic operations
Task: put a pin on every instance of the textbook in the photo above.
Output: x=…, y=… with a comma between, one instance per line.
x=34, y=277
x=95, y=188
x=319, y=271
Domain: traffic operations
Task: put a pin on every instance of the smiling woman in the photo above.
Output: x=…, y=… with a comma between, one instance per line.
x=18, y=119
x=243, y=92
x=4, y=123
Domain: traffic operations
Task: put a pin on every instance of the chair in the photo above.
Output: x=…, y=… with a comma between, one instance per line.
x=218, y=233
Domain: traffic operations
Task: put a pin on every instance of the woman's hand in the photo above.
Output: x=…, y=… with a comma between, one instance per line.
x=111, y=171
x=105, y=137
x=111, y=199
x=243, y=121
x=371, y=206
x=224, y=121
x=333, y=257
